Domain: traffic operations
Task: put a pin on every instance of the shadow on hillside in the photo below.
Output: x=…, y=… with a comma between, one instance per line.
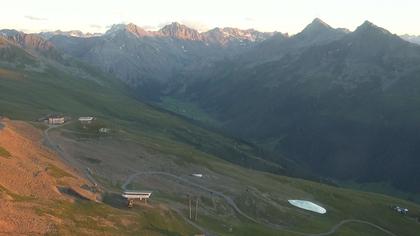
x=71, y=192
x=115, y=200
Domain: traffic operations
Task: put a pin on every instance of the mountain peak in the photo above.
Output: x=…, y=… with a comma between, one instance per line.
x=318, y=21
x=174, y=26
x=366, y=25
x=179, y=31
x=317, y=24
x=316, y=27
x=115, y=27
x=369, y=27
x=130, y=28
x=136, y=30
x=229, y=34
x=317, y=32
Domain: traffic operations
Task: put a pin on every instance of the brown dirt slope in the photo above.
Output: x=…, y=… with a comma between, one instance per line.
x=30, y=174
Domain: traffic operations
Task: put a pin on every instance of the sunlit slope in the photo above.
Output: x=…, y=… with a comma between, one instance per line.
x=34, y=199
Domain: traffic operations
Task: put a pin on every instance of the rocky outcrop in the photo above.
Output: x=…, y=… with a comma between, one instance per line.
x=29, y=41
x=176, y=30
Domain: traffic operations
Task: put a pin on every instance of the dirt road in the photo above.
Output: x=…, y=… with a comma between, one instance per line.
x=343, y=222
x=226, y=198
x=49, y=142
x=230, y=201
x=66, y=158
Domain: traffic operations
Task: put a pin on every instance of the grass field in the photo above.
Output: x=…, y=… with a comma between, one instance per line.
x=358, y=229
x=85, y=217
x=383, y=188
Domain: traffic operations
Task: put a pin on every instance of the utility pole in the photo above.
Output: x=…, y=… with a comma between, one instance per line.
x=196, y=209
x=189, y=204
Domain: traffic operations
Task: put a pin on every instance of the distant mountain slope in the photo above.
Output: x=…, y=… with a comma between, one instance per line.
x=347, y=106
x=71, y=33
x=28, y=41
x=411, y=38
x=33, y=85
x=178, y=31
x=274, y=48
x=233, y=35
x=154, y=61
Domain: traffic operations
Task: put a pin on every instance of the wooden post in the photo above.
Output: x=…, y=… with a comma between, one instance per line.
x=189, y=203
x=196, y=209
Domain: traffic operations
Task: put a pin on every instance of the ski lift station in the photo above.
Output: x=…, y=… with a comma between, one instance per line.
x=133, y=195
x=86, y=119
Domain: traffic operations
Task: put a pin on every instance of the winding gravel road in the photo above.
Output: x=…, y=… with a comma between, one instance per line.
x=343, y=222
x=230, y=201
x=226, y=198
x=51, y=144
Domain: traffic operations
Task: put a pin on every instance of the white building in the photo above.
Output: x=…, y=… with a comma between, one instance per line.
x=137, y=194
x=132, y=195
x=56, y=120
x=86, y=119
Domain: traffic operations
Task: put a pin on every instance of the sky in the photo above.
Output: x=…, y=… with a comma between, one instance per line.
x=291, y=16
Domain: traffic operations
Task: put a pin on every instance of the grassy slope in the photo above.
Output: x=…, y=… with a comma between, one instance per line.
x=38, y=94
x=341, y=204
x=146, y=221
x=187, y=109
x=88, y=218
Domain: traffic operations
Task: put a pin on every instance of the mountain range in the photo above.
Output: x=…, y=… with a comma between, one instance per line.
x=71, y=33
x=149, y=59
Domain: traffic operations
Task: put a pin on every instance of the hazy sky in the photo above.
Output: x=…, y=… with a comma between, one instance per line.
x=400, y=16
